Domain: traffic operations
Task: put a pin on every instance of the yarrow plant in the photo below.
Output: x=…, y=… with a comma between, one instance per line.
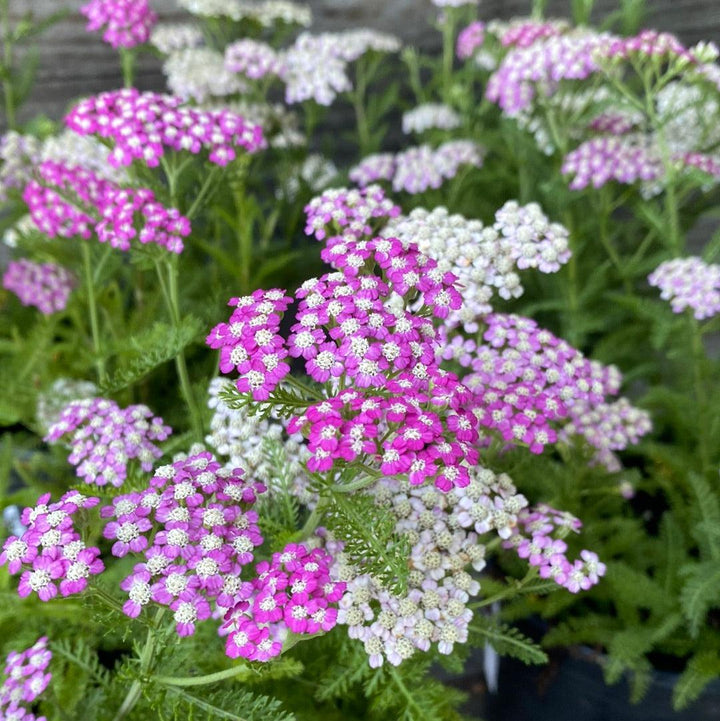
x=466, y=364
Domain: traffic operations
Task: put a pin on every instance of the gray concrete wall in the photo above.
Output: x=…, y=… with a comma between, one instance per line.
x=74, y=62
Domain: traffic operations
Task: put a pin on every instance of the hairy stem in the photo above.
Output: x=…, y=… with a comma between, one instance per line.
x=240, y=670
x=127, y=61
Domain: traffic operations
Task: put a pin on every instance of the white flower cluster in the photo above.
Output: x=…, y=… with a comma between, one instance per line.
x=253, y=59
x=18, y=154
x=200, y=74
x=315, y=66
x=25, y=226
x=442, y=529
x=52, y=402
x=240, y=437
x=429, y=115
x=454, y=3
x=690, y=118
x=85, y=150
x=535, y=242
x=478, y=256
x=266, y=13
x=171, y=37
x=316, y=172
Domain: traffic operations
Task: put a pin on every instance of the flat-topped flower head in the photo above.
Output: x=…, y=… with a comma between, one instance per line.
x=50, y=555
x=26, y=678
x=125, y=23
x=68, y=201
x=142, y=126
x=104, y=438
x=45, y=286
x=689, y=283
x=195, y=530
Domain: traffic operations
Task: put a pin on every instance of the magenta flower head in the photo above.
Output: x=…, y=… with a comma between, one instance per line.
x=46, y=286
x=125, y=23
x=293, y=592
x=143, y=126
x=26, y=680
x=104, y=437
x=68, y=201
x=196, y=530
x=51, y=550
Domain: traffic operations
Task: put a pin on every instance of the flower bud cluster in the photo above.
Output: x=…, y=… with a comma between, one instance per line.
x=171, y=37
x=533, y=539
x=44, y=285
x=419, y=168
x=51, y=550
x=104, y=438
x=141, y=126
x=200, y=74
x=196, y=530
x=115, y=214
x=689, y=283
x=525, y=71
x=523, y=32
x=293, y=592
x=443, y=531
x=429, y=115
x=125, y=23
x=26, y=679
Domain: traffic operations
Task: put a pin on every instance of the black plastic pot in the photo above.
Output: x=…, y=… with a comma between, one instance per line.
x=571, y=688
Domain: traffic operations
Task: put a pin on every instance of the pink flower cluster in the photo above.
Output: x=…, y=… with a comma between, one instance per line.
x=51, y=550
x=292, y=592
x=44, y=285
x=417, y=169
x=525, y=379
x=533, y=539
x=525, y=71
x=125, y=23
x=525, y=32
x=104, y=438
x=689, y=283
x=196, y=531
x=607, y=427
x=470, y=39
x=648, y=44
x=26, y=679
x=69, y=201
x=709, y=164
x=624, y=159
x=142, y=125
x=253, y=58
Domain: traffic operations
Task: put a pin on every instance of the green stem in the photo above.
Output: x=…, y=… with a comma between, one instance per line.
x=698, y=357
x=8, y=91
x=203, y=192
x=147, y=656
x=205, y=680
x=608, y=244
x=412, y=703
x=127, y=60
x=448, y=56
x=358, y=100
x=174, y=307
x=92, y=307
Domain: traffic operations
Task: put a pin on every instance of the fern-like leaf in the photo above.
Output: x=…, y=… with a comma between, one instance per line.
x=507, y=641
x=700, y=593
x=702, y=668
x=229, y=705
x=152, y=349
